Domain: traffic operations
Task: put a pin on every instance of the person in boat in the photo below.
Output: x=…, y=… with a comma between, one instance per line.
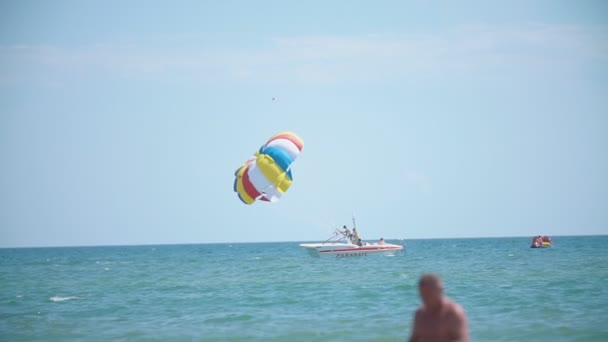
x=438, y=318
x=381, y=242
x=537, y=241
x=356, y=238
x=356, y=235
x=346, y=231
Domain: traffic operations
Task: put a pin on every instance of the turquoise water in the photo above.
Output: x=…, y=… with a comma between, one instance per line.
x=277, y=292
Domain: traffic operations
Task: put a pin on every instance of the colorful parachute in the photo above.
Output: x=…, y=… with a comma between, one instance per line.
x=267, y=175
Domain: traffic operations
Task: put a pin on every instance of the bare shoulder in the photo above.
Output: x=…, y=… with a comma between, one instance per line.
x=420, y=312
x=417, y=327
x=458, y=325
x=420, y=316
x=456, y=309
x=456, y=314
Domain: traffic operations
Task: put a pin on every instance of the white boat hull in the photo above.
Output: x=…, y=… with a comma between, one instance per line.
x=346, y=250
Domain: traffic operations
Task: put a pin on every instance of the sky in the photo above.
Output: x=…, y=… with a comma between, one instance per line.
x=122, y=123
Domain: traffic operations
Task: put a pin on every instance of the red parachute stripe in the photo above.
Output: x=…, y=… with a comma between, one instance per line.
x=289, y=137
x=248, y=186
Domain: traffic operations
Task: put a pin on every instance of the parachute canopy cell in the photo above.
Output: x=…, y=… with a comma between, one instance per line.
x=267, y=174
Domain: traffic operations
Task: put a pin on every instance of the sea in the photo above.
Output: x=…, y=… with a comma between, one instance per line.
x=278, y=292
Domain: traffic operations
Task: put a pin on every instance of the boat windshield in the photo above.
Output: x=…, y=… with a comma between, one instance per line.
x=344, y=236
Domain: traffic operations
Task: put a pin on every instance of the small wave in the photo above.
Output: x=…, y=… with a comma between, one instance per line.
x=106, y=268
x=61, y=299
x=511, y=254
x=229, y=318
x=19, y=296
x=104, y=262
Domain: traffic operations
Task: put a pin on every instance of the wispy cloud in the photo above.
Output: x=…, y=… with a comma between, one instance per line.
x=317, y=59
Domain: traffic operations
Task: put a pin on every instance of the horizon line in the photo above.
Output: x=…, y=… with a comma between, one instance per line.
x=284, y=241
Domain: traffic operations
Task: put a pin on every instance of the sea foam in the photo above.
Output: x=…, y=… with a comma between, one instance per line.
x=61, y=299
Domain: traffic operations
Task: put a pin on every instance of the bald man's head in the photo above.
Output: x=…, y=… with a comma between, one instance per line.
x=431, y=290
x=430, y=280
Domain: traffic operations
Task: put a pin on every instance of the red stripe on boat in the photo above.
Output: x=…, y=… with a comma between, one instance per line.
x=388, y=248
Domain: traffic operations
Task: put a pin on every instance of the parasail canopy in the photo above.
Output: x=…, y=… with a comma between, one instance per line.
x=267, y=175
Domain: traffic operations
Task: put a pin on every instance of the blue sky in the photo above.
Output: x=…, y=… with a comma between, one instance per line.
x=122, y=123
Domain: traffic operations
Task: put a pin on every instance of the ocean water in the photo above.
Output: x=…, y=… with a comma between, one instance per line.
x=277, y=292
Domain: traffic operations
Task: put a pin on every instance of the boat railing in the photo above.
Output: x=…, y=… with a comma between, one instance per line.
x=338, y=236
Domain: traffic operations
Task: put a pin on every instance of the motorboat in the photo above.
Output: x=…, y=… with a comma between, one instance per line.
x=342, y=245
